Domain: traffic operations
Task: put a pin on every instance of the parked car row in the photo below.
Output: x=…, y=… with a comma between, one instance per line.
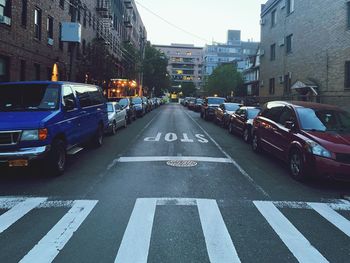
x=312, y=138
x=43, y=121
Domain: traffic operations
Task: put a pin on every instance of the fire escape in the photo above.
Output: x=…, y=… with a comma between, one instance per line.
x=105, y=21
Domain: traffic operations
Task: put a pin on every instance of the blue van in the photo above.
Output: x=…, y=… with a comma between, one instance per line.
x=45, y=120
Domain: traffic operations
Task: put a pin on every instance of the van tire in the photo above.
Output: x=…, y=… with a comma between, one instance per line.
x=57, y=158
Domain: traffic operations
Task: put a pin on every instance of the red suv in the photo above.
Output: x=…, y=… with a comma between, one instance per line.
x=313, y=138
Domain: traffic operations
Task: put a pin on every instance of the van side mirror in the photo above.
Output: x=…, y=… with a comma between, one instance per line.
x=69, y=104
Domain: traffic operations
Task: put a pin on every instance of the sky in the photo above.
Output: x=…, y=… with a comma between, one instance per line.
x=205, y=20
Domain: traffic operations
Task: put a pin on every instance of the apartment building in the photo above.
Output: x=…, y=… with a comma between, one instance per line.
x=184, y=63
x=305, y=48
x=232, y=51
x=30, y=36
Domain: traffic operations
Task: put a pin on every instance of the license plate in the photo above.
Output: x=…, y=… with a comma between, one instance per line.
x=18, y=163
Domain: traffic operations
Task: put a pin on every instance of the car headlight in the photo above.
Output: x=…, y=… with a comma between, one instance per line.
x=34, y=135
x=316, y=149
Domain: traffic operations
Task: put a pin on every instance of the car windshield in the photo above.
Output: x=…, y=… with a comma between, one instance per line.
x=252, y=113
x=136, y=100
x=123, y=102
x=216, y=100
x=24, y=97
x=199, y=101
x=110, y=107
x=232, y=106
x=324, y=120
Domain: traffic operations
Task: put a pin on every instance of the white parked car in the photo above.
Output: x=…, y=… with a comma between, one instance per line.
x=116, y=116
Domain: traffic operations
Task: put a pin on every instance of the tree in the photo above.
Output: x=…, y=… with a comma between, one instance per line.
x=188, y=89
x=155, y=74
x=224, y=80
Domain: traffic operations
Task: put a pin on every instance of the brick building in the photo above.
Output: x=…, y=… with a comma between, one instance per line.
x=30, y=35
x=305, y=49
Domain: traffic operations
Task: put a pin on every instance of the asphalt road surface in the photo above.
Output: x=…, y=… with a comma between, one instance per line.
x=172, y=188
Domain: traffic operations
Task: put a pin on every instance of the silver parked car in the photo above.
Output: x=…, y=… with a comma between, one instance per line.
x=116, y=116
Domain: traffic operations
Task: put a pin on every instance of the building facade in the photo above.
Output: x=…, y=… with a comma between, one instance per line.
x=232, y=51
x=30, y=36
x=305, y=48
x=251, y=75
x=184, y=63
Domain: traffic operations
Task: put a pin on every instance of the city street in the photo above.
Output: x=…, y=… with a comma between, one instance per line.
x=172, y=187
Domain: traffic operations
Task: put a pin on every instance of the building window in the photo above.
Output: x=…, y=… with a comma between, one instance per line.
x=348, y=11
x=37, y=71
x=60, y=42
x=290, y=6
x=4, y=69
x=84, y=18
x=287, y=83
x=347, y=75
x=22, y=74
x=84, y=47
x=37, y=23
x=289, y=40
x=24, y=13
x=48, y=73
x=272, y=86
x=273, y=18
x=273, y=52
x=78, y=18
x=62, y=3
x=49, y=27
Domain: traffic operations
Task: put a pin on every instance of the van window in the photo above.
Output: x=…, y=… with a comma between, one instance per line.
x=25, y=97
x=83, y=96
x=96, y=96
x=68, y=98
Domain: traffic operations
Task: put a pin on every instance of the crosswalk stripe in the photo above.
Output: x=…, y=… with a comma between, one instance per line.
x=292, y=238
x=53, y=242
x=332, y=216
x=217, y=238
x=18, y=211
x=136, y=240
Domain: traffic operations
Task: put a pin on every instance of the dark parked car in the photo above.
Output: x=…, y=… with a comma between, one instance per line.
x=224, y=112
x=191, y=103
x=209, y=105
x=198, y=105
x=313, y=138
x=241, y=121
x=44, y=120
x=139, y=105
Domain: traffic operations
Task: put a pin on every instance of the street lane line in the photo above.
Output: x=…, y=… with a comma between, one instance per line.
x=291, y=237
x=18, y=211
x=53, y=242
x=172, y=158
x=333, y=217
x=137, y=237
x=217, y=238
x=239, y=168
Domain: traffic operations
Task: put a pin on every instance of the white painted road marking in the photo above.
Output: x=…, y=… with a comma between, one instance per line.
x=219, y=244
x=291, y=237
x=137, y=236
x=172, y=158
x=332, y=216
x=172, y=137
x=18, y=211
x=135, y=243
x=53, y=242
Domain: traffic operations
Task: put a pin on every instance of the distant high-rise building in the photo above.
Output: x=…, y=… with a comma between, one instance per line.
x=185, y=63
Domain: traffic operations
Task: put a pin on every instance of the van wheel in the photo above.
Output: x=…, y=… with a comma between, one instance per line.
x=57, y=158
x=256, y=143
x=98, y=137
x=296, y=166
